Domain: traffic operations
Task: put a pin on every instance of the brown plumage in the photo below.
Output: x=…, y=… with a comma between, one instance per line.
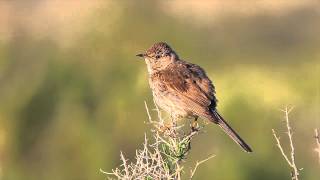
x=183, y=89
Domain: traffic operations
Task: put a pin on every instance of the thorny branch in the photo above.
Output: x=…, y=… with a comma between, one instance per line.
x=198, y=164
x=162, y=159
x=291, y=161
x=317, y=149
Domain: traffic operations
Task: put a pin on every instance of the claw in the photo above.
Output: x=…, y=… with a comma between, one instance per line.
x=194, y=125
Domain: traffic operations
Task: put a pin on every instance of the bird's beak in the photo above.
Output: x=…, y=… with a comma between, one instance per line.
x=140, y=55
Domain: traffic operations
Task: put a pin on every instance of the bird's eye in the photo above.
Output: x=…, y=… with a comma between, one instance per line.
x=158, y=56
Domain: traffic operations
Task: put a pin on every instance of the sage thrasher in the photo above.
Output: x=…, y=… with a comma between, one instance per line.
x=183, y=89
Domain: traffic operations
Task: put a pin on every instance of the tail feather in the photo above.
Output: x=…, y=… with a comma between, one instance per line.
x=216, y=118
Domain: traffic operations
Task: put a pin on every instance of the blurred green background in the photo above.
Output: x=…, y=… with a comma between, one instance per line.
x=72, y=91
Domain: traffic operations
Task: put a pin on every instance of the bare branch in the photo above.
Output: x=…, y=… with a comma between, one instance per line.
x=291, y=161
x=148, y=113
x=198, y=164
x=280, y=147
x=317, y=149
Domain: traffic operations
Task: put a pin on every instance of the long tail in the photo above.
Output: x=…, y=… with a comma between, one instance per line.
x=216, y=118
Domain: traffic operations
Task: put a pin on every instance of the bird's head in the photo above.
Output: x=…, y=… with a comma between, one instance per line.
x=159, y=56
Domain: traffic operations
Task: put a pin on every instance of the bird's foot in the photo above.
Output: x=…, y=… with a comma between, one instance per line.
x=194, y=126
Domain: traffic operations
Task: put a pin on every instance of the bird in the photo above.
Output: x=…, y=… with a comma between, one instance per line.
x=183, y=89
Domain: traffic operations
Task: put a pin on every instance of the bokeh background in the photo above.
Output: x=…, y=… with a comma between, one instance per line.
x=72, y=91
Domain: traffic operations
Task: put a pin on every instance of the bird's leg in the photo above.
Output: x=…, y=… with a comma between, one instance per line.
x=194, y=125
x=194, y=128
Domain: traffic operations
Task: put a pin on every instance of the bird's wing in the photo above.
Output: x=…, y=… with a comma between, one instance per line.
x=202, y=80
x=190, y=83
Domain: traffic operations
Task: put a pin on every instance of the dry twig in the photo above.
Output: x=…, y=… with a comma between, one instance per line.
x=198, y=164
x=317, y=149
x=291, y=161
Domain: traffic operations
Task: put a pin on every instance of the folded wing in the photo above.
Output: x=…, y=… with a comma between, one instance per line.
x=194, y=89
